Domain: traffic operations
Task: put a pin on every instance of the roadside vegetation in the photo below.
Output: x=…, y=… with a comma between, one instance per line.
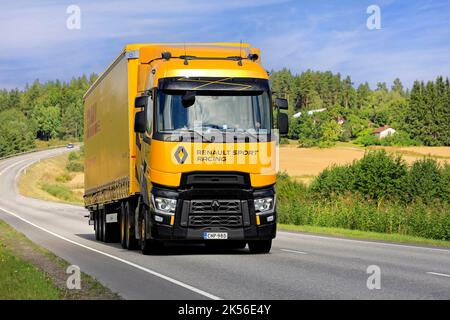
x=28, y=271
x=379, y=193
x=60, y=178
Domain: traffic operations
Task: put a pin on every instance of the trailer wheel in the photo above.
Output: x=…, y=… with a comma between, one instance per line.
x=96, y=226
x=260, y=246
x=123, y=223
x=101, y=228
x=109, y=229
x=130, y=238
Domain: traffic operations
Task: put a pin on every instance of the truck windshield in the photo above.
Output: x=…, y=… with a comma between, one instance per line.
x=214, y=111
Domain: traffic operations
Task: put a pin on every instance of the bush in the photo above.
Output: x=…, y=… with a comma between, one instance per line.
x=376, y=176
x=64, y=177
x=445, y=182
x=297, y=205
x=367, y=140
x=335, y=180
x=425, y=181
x=74, y=166
x=74, y=156
x=58, y=191
x=400, y=139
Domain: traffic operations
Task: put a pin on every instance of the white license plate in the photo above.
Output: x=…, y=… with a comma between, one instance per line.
x=215, y=235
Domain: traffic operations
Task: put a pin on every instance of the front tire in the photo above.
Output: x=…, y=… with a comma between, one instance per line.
x=148, y=246
x=130, y=239
x=260, y=246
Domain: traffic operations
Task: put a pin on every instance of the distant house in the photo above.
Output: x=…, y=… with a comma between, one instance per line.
x=384, y=132
x=311, y=112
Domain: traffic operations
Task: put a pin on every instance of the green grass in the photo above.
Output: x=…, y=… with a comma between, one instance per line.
x=59, y=191
x=366, y=235
x=20, y=279
x=28, y=271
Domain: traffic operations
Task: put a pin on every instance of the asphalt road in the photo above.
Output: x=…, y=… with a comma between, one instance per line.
x=299, y=266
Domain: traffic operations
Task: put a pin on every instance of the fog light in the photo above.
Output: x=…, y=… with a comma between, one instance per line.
x=270, y=219
x=159, y=219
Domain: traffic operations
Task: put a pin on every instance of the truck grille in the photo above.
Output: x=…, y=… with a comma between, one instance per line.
x=215, y=221
x=215, y=207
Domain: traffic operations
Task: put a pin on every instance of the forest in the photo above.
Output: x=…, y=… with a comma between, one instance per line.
x=421, y=115
x=44, y=111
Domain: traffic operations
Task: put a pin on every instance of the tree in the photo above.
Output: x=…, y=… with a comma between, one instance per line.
x=363, y=95
x=398, y=87
x=330, y=133
x=348, y=94
x=15, y=133
x=46, y=121
x=71, y=121
x=382, y=86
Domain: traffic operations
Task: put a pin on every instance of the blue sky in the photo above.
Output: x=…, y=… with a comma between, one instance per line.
x=414, y=42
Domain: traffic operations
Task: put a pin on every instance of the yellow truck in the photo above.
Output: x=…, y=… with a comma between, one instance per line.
x=180, y=145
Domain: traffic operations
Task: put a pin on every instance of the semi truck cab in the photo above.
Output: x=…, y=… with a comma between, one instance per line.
x=202, y=149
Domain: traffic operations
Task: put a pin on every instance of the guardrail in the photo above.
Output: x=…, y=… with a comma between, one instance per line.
x=35, y=150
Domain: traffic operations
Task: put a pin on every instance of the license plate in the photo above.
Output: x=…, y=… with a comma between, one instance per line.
x=215, y=235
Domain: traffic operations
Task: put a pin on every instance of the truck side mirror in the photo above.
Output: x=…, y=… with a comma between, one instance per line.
x=141, y=102
x=281, y=104
x=139, y=122
x=283, y=123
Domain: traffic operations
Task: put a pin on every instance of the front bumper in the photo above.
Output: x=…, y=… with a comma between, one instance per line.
x=161, y=231
x=180, y=226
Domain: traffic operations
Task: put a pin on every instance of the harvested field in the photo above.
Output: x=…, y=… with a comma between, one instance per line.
x=305, y=163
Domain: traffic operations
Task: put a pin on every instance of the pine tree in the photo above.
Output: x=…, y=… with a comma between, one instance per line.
x=398, y=87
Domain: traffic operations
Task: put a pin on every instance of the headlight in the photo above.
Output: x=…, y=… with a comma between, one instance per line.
x=263, y=204
x=165, y=205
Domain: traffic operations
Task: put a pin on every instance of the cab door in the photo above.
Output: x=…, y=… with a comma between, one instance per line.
x=143, y=142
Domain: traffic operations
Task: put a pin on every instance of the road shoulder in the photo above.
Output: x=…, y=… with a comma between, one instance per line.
x=40, y=274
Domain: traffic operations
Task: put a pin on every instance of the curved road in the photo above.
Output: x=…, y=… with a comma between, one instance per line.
x=300, y=266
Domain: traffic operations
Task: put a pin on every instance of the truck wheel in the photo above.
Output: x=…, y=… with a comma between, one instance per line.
x=123, y=229
x=109, y=229
x=148, y=246
x=130, y=239
x=96, y=226
x=260, y=246
x=238, y=245
x=101, y=228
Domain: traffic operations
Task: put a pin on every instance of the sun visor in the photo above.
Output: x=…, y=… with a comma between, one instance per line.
x=214, y=84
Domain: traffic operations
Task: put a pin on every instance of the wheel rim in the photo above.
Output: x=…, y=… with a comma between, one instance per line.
x=122, y=228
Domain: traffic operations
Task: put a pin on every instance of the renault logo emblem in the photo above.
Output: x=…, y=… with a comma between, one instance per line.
x=181, y=154
x=215, y=205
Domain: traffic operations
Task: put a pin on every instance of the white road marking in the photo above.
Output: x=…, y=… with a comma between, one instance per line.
x=12, y=165
x=304, y=235
x=439, y=274
x=293, y=251
x=154, y=273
